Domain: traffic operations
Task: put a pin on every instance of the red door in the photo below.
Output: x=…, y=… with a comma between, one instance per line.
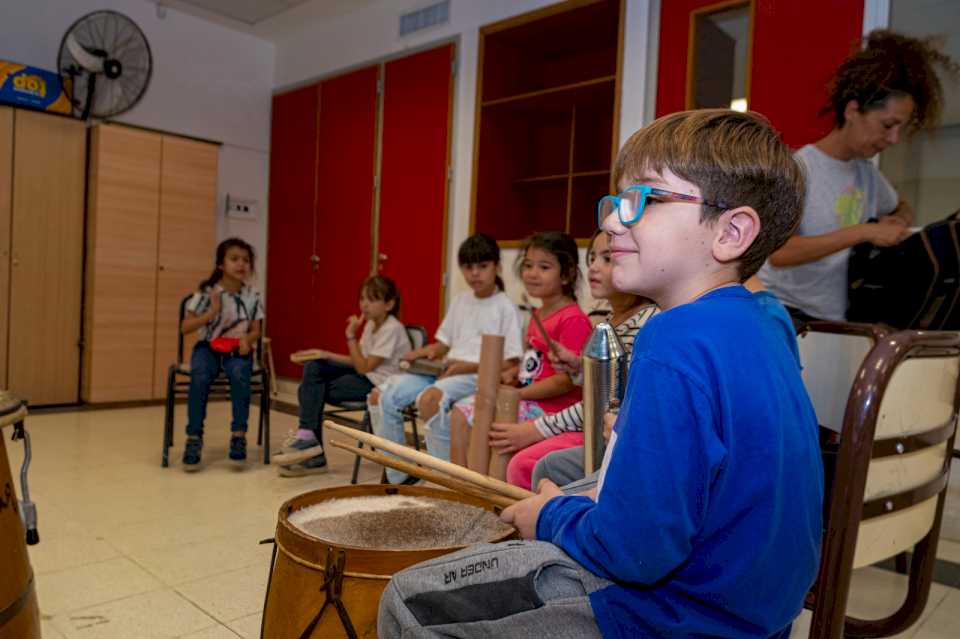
x=292, y=193
x=795, y=48
x=346, y=140
x=413, y=193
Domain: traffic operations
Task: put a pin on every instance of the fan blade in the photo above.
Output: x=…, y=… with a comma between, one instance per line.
x=87, y=60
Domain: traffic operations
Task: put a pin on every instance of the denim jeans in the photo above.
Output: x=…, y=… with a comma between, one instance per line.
x=205, y=365
x=325, y=381
x=399, y=391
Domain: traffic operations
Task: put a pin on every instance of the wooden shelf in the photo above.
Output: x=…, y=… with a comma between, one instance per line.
x=542, y=178
x=590, y=173
x=547, y=113
x=560, y=176
x=559, y=98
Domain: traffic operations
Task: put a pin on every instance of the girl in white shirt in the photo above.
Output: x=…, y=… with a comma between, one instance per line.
x=337, y=378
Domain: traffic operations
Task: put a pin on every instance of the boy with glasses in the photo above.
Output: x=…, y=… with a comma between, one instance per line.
x=706, y=520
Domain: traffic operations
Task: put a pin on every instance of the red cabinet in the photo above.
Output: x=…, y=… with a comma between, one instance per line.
x=358, y=169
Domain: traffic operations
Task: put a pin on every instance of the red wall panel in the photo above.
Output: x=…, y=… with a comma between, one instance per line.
x=345, y=167
x=413, y=197
x=796, y=47
x=292, y=186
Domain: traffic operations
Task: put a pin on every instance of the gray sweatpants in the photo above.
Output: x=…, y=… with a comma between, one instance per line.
x=565, y=468
x=511, y=589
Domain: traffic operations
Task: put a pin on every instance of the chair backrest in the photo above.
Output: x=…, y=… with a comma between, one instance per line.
x=891, y=477
x=258, y=352
x=417, y=335
x=831, y=354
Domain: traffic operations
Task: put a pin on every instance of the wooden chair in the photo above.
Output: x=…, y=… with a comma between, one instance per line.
x=891, y=476
x=342, y=414
x=178, y=385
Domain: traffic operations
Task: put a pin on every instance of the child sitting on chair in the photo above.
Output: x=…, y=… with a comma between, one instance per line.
x=706, y=520
x=335, y=378
x=484, y=309
x=228, y=313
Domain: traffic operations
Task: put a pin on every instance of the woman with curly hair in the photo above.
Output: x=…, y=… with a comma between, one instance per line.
x=882, y=92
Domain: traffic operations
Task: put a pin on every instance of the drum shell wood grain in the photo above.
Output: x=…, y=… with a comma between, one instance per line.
x=295, y=595
x=16, y=583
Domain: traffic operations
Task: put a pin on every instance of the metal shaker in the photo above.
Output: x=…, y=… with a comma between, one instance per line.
x=604, y=380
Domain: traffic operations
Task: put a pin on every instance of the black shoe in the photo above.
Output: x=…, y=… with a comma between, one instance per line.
x=314, y=466
x=191, y=454
x=238, y=448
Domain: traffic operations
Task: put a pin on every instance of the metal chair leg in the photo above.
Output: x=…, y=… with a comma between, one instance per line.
x=168, y=419
x=356, y=462
x=265, y=417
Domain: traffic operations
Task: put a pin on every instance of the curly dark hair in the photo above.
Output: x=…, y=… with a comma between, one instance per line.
x=892, y=64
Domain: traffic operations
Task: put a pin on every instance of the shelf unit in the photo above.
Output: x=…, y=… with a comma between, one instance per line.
x=547, y=115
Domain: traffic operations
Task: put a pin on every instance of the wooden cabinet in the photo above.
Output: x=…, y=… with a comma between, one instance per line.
x=42, y=159
x=186, y=241
x=6, y=189
x=548, y=88
x=359, y=169
x=150, y=240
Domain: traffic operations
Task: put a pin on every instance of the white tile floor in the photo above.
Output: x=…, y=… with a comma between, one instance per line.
x=135, y=551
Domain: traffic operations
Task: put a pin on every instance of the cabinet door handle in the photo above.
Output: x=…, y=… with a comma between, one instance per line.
x=161, y=267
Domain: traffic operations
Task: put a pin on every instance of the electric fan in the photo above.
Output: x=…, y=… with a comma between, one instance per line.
x=107, y=59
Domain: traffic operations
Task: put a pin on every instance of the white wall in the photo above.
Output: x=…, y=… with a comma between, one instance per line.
x=371, y=33
x=208, y=82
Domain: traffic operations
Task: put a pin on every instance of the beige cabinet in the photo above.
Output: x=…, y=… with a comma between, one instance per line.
x=42, y=168
x=151, y=238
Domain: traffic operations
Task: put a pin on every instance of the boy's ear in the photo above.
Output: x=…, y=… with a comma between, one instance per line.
x=851, y=109
x=736, y=230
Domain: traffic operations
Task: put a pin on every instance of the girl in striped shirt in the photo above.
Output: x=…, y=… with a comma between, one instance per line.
x=530, y=441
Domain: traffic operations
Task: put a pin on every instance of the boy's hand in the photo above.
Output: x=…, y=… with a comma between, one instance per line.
x=353, y=323
x=523, y=515
x=510, y=377
x=509, y=438
x=609, y=419
x=565, y=360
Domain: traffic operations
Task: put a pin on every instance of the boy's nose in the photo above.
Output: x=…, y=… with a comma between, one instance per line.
x=611, y=224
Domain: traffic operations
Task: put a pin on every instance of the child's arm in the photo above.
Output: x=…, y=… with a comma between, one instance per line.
x=431, y=351
x=248, y=340
x=546, y=388
x=666, y=455
x=193, y=321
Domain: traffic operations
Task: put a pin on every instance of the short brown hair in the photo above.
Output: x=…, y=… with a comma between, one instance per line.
x=736, y=159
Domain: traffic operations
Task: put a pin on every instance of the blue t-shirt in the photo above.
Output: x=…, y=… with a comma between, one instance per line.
x=708, y=517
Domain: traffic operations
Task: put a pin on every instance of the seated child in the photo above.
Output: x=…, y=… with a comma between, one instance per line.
x=547, y=264
x=339, y=378
x=706, y=519
x=484, y=309
x=627, y=314
x=228, y=313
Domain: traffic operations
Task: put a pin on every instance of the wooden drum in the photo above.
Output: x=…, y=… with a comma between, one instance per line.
x=336, y=549
x=19, y=615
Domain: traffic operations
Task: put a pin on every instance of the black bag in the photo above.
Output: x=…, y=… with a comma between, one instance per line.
x=915, y=284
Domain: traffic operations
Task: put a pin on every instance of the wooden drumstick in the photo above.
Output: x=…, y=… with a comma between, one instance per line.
x=409, y=454
x=536, y=320
x=485, y=402
x=508, y=405
x=307, y=356
x=426, y=474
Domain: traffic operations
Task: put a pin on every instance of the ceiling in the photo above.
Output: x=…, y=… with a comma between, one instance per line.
x=270, y=19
